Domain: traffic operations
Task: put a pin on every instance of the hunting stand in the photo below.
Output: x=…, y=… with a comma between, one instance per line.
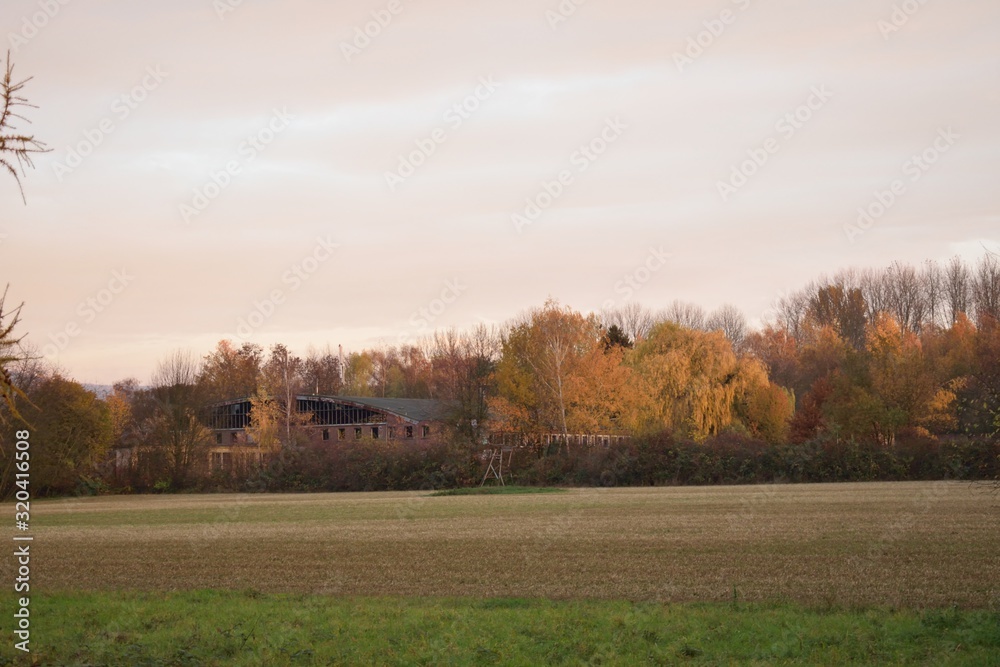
x=495, y=469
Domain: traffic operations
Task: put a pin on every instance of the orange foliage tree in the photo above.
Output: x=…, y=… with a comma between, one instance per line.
x=555, y=375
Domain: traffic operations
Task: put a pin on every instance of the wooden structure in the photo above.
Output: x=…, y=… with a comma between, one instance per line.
x=496, y=464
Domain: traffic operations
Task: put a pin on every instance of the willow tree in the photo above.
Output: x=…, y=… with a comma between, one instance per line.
x=691, y=382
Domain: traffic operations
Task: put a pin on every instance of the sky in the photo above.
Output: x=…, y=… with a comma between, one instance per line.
x=360, y=173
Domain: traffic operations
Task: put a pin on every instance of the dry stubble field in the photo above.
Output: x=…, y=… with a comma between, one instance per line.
x=902, y=544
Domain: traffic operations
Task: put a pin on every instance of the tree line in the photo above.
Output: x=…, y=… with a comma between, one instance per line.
x=897, y=362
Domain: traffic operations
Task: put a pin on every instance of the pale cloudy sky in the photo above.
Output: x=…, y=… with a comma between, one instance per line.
x=159, y=96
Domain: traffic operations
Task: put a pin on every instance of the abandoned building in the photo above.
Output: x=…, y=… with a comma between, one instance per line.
x=329, y=418
x=350, y=419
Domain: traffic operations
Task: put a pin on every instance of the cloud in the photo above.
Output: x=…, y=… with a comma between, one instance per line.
x=354, y=120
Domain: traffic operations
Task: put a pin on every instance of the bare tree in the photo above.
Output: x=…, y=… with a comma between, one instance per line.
x=957, y=289
x=461, y=366
x=790, y=312
x=321, y=372
x=385, y=360
x=178, y=369
x=905, y=301
x=731, y=321
x=875, y=290
x=633, y=319
x=848, y=279
x=932, y=279
x=688, y=315
x=30, y=368
x=986, y=290
x=16, y=148
x=841, y=308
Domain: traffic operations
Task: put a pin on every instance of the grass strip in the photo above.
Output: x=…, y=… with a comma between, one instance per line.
x=497, y=491
x=246, y=628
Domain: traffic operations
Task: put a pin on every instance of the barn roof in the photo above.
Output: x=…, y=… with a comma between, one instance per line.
x=409, y=409
x=413, y=409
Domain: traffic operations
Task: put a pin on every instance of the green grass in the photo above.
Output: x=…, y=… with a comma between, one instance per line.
x=250, y=628
x=497, y=491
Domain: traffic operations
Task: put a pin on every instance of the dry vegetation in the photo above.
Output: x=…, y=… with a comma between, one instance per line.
x=901, y=544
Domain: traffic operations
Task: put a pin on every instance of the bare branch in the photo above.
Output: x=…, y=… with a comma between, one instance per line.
x=9, y=392
x=16, y=148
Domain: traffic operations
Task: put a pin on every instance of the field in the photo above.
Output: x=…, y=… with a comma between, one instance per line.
x=766, y=574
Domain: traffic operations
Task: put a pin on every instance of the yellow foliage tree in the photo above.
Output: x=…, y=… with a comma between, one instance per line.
x=555, y=375
x=690, y=381
x=266, y=423
x=900, y=375
x=767, y=410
